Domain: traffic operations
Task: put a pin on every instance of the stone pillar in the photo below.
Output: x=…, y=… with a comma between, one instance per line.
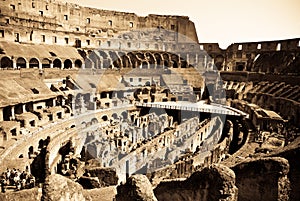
x=63, y=102
x=14, y=64
x=54, y=102
x=40, y=65
x=212, y=63
x=73, y=105
x=101, y=63
x=51, y=65
x=24, y=108
x=188, y=58
x=13, y=113
x=205, y=61
x=27, y=64
x=1, y=116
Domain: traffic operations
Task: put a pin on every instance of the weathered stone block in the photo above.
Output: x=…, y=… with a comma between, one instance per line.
x=262, y=179
x=137, y=187
x=106, y=176
x=292, y=154
x=89, y=182
x=216, y=182
x=58, y=187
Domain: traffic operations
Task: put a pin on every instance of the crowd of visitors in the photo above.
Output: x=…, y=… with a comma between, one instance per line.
x=14, y=178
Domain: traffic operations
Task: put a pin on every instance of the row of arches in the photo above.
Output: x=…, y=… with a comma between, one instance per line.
x=114, y=59
x=21, y=62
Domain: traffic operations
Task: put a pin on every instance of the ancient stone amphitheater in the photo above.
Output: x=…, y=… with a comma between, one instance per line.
x=107, y=105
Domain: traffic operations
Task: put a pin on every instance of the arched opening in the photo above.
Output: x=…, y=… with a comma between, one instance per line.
x=67, y=64
x=30, y=151
x=166, y=63
x=78, y=63
x=175, y=64
x=94, y=121
x=83, y=124
x=145, y=65
x=104, y=117
x=21, y=63
x=57, y=63
x=124, y=115
x=147, y=83
x=88, y=63
x=46, y=63
x=219, y=62
x=240, y=67
x=184, y=64
x=41, y=144
x=114, y=115
x=34, y=63
x=166, y=91
x=145, y=91
x=158, y=59
x=6, y=62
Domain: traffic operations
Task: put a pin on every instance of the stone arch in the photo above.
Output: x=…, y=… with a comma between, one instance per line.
x=132, y=59
x=34, y=63
x=104, y=118
x=145, y=91
x=30, y=151
x=41, y=144
x=166, y=56
x=46, y=63
x=6, y=62
x=166, y=63
x=88, y=63
x=124, y=115
x=57, y=63
x=159, y=59
x=219, y=60
x=83, y=124
x=166, y=91
x=145, y=65
x=150, y=58
x=240, y=67
x=67, y=109
x=94, y=121
x=137, y=92
x=115, y=116
x=184, y=64
x=68, y=64
x=140, y=55
x=78, y=63
x=21, y=62
x=126, y=61
x=103, y=54
x=95, y=59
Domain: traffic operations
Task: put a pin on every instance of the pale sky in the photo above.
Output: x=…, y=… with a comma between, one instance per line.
x=221, y=21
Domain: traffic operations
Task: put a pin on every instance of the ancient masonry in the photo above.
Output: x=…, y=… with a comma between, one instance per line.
x=135, y=108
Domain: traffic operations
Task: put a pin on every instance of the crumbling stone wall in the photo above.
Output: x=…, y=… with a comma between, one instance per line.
x=262, y=179
x=216, y=182
x=106, y=176
x=291, y=153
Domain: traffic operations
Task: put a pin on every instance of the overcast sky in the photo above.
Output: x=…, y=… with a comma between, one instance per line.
x=222, y=21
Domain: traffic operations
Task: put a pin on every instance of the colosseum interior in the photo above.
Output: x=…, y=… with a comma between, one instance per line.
x=107, y=105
